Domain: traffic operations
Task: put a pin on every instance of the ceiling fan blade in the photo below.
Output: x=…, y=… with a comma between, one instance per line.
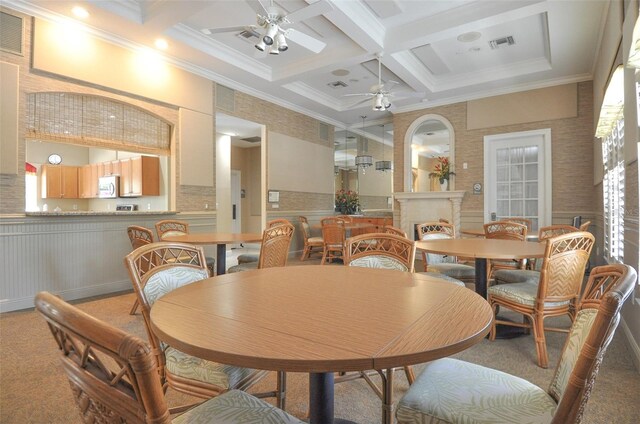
x=358, y=94
x=209, y=31
x=305, y=40
x=315, y=9
x=406, y=94
x=257, y=7
x=359, y=103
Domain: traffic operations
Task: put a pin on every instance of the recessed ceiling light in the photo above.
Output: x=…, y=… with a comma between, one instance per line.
x=340, y=72
x=468, y=37
x=80, y=12
x=161, y=44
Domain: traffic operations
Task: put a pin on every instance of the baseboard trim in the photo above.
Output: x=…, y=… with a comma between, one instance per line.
x=9, y=305
x=633, y=345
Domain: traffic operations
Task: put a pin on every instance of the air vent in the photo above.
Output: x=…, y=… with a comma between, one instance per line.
x=225, y=98
x=252, y=139
x=323, y=131
x=337, y=84
x=11, y=33
x=501, y=42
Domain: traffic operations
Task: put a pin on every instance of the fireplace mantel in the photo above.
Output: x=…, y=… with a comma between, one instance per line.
x=416, y=208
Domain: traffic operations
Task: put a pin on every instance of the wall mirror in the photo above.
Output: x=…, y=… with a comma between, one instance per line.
x=374, y=183
x=427, y=139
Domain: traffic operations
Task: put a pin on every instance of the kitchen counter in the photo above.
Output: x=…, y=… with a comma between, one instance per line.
x=99, y=213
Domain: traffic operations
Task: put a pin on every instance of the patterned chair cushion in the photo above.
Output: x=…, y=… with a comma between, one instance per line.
x=246, y=258
x=170, y=279
x=315, y=240
x=379, y=261
x=454, y=391
x=247, y=266
x=512, y=276
x=454, y=270
x=235, y=407
x=577, y=336
x=522, y=293
x=187, y=366
x=442, y=277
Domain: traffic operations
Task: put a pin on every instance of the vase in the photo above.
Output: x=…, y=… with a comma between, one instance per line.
x=444, y=185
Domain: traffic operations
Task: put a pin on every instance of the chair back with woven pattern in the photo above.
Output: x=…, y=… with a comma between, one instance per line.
x=277, y=221
x=139, y=236
x=505, y=230
x=435, y=231
x=519, y=220
x=171, y=227
x=555, y=230
x=598, y=316
x=394, y=230
x=274, y=250
x=563, y=266
x=380, y=250
x=112, y=374
x=158, y=268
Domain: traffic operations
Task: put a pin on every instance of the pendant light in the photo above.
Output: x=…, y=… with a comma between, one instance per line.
x=383, y=165
x=363, y=161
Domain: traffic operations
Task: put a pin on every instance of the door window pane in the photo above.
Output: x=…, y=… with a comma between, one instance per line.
x=531, y=154
x=517, y=208
x=531, y=208
x=531, y=172
x=503, y=208
x=516, y=173
x=502, y=157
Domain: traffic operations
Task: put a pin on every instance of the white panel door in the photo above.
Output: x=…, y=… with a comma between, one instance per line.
x=517, y=177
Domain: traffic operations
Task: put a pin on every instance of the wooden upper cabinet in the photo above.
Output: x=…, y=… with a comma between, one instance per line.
x=140, y=176
x=59, y=182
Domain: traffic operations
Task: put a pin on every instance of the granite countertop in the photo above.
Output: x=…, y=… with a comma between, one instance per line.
x=98, y=213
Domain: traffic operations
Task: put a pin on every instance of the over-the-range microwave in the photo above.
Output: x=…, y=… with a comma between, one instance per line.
x=108, y=187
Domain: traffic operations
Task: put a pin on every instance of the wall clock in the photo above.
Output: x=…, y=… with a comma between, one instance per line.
x=55, y=159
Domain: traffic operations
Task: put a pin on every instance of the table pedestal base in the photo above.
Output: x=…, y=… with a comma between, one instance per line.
x=321, y=400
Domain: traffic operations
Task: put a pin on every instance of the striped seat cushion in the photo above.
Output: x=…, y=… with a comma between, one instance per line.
x=247, y=266
x=512, y=276
x=522, y=293
x=454, y=270
x=454, y=391
x=187, y=366
x=378, y=261
x=235, y=407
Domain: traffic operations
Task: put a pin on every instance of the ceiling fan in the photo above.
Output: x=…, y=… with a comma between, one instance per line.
x=272, y=19
x=381, y=92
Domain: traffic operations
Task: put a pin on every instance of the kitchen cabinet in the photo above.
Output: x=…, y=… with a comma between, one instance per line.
x=59, y=182
x=140, y=176
x=88, y=175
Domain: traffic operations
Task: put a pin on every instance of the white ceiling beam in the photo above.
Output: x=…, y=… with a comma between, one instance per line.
x=161, y=15
x=359, y=23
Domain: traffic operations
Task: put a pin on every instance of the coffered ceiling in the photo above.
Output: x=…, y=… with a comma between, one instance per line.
x=437, y=51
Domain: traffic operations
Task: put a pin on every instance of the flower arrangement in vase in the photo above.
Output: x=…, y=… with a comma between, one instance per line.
x=347, y=202
x=442, y=171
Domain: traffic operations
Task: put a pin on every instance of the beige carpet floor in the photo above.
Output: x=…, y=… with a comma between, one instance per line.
x=33, y=388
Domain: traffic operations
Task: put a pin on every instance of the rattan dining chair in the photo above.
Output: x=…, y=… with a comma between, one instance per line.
x=532, y=273
x=254, y=257
x=444, y=264
x=383, y=251
x=114, y=379
x=173, y=227
x=157, y=269
x=138, y=236
x=333, y=236
x=555, y=294
x=453, y=391
x=309, y=241
x=274, y=249
x=504, y=230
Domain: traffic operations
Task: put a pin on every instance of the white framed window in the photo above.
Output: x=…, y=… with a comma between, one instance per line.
x=613, y=192
x=611, y=131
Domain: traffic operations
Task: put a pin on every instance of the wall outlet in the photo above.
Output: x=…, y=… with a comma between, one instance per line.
x=464, y=165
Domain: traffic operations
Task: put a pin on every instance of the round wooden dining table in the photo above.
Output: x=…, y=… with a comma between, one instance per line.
x=482, y=249
x=219, y=239
x=320, y=320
